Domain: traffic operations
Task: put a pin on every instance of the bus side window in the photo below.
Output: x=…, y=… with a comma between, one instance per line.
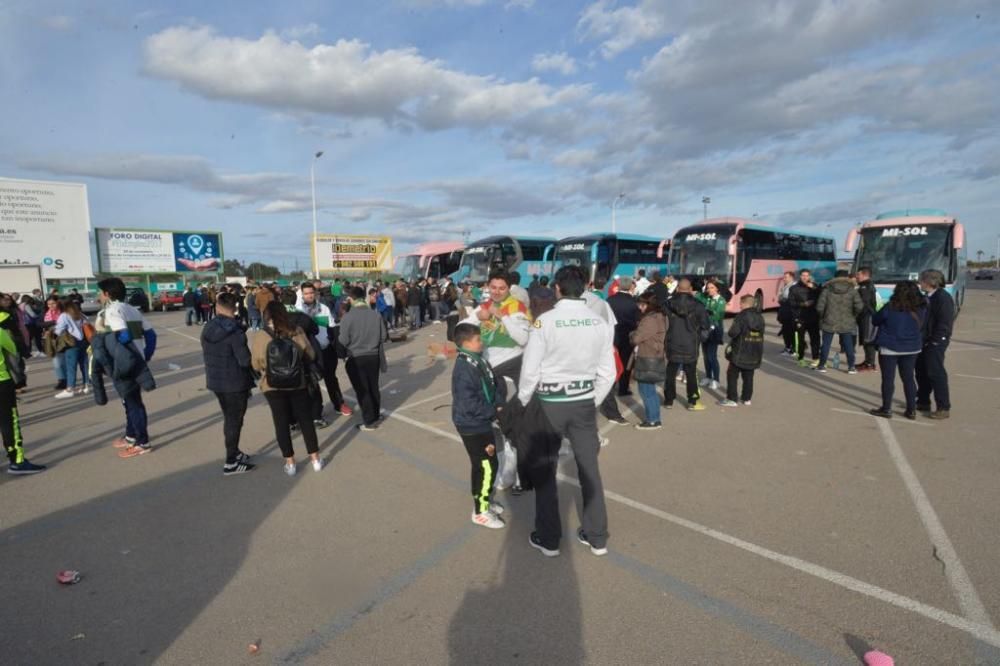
x=434, y=270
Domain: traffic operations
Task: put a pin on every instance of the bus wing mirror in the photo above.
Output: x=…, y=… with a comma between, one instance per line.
x=661, y=249
x=548, y=252
x=852, y=240
x=959, y=237
x=733, y=241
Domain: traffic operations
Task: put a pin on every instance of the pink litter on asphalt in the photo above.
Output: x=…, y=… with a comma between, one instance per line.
x=876, y=658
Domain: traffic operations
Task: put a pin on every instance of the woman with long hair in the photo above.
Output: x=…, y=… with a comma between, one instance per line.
x=900, y=338
x=650, y=358
x=291, y=400
x=71, y=322
x=32, y=320
x=715, y=305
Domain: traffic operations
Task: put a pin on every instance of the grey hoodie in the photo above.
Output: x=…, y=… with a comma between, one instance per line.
x=362, y=332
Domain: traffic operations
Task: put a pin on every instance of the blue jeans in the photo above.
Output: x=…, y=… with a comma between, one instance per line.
x=59, y=366
x=711, y=353
x=190, y=316
x=906, y=364
x=135, y=417
x=75, y=357
x=650, y=402
x=846, y=341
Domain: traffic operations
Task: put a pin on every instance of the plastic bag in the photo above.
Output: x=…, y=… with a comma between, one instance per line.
x=507, y=472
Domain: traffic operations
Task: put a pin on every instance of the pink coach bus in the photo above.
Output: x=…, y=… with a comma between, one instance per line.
x=429, y=260
x=749, y=258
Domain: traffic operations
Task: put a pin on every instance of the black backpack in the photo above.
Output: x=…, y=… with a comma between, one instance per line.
x=284, y=363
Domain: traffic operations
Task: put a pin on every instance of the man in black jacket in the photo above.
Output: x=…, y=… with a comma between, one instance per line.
x=802, y=297
x=866, y=334
x=228, y=375
x=660, y=289
x=931, y=373
x=626, y=312
x=687, y=319
x=190, y=301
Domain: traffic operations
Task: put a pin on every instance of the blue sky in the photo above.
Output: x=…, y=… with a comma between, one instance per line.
x=441, y=117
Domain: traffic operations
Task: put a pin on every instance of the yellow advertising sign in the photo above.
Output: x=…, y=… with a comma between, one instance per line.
x=347, y=253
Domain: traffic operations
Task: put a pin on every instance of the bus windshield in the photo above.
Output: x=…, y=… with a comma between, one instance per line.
x=575, y=254
x=900, y=253
x=702, y=251
x=408, y=267
x=478, y=260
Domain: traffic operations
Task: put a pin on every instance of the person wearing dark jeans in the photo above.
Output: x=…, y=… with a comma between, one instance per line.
x=363, y=372
x=906, y=365
x=286, y=405
x=932, y=377
x=136, y=420
x=228, y=375
x=362, y=334
x=733, y=375
x=670, y=385
x=900, y=324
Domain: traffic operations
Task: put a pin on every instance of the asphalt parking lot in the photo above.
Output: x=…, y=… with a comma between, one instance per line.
x=799, y=530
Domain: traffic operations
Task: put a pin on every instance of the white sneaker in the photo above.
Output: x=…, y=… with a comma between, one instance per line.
x=604, y=442
x=706, y=382
x=290, y=469
x=681, y=377
x=317, y=465
x=488, y=519
x=66, y=393
x=714, y=385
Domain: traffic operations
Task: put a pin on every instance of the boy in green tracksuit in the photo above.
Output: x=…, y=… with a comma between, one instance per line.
x=10, y=420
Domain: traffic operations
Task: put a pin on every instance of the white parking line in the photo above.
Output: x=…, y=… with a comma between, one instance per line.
x=970, y=603
x=851, y=411
x=983, y=631
x=407, y=405
x=183, y=335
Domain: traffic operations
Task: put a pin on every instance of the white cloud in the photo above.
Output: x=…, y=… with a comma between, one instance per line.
x=58, y=23
x=347, y=78
x=297, y=32
x=554, y=62
x=621, y=27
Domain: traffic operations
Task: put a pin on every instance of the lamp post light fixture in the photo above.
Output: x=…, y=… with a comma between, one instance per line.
x=704, y=202
x=312, y=184
x=613, y=205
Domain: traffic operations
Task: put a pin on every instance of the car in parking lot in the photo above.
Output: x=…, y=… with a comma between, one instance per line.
x=168, y=300
x=984, y=274
x=90, y=304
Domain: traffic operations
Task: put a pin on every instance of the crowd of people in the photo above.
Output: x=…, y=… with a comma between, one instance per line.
x=566, y=350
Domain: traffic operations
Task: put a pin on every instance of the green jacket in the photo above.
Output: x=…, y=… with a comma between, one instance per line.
x=838, y=306
x=716, y=307
x=7, y=346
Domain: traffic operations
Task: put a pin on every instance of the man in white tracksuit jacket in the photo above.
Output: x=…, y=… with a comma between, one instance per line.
x=568, y=362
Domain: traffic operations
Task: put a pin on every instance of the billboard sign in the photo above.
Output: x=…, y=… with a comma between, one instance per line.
x=344, y=253
x=125, y=251
x=46, y=223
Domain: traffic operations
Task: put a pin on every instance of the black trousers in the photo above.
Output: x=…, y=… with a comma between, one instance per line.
x=10, y=422
x=733, y=375
x=802, y=330
x=329, y=363
x=483, y=467
x=283, y=405
x=870, y=351
x=906, y=364
x=670, y=385
x=234, y=408
x=363, y=371
x=932, y=377
x=609, y=408
x=788, y=335
x=625, y=352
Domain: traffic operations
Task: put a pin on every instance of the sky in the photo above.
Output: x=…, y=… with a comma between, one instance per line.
x=447, y=119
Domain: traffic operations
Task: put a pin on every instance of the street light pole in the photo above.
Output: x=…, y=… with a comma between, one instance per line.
x=312, y=184
x=613, y=205
x=704, y=202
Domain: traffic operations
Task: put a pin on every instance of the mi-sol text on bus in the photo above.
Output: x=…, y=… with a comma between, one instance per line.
x=530, y=257
x=749, y=259
x=605, y=257
x=898, y=245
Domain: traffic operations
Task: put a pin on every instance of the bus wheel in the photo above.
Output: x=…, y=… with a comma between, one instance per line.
x=758, y=301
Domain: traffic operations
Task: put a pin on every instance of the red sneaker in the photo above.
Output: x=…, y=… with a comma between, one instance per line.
x=135, y=450
x=123, y=443
x=345, y=410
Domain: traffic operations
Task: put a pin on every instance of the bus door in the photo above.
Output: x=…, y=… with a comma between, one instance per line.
x=602, y=260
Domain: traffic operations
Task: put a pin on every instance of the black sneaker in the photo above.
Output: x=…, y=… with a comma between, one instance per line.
x=237, y=468
x=535, y=542
x=618, y=420
x=647, y=425
x=321, y=423
x=582, y=538
x=242, y=457
x=24, y=468
x=881, y=413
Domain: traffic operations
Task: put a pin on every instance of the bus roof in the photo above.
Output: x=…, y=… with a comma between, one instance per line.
x=489, y=240
x=914, y=216
x=437, y=247
x=603, y=236
x=745, y=224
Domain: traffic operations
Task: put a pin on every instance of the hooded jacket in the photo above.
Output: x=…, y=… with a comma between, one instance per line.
x=227, y=356
x=123, y=363
x=802, y=299
x=687, y=318
x=476, y=393
x=746, y=336
x=838, y=306
x=7, y=345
